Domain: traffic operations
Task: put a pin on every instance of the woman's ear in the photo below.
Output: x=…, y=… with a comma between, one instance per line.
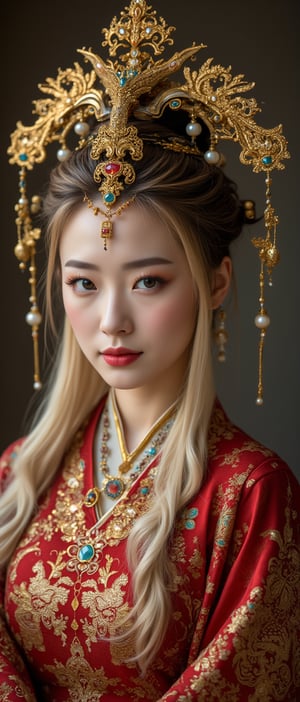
x=220, y=282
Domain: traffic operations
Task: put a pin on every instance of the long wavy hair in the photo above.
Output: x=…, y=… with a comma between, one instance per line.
x=200, y=206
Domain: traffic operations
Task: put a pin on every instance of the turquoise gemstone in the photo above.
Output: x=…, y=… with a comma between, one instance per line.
x=267, y=160
x=193, y=512
x=190, y=524
x=23, y=157
x=151, y=451
x=123, y=81
x=109, y=197
x=144, y=491
x=174, y=104
x=86, y=552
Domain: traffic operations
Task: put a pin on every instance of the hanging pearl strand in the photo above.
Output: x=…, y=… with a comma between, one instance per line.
x=269, y=256
x=25, y=251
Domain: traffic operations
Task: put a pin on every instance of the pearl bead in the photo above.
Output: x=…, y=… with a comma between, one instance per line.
x=222, y=337
x=193, y=129
x=33, y=318
x=259, y=401
x=63, y=154
x=37, y=385
x=262, y=321
x=212, y=157
x=81, y=128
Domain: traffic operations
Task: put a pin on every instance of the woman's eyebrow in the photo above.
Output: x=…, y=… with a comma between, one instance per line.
x=152, y=261
x=73, y=263
x=139, y=263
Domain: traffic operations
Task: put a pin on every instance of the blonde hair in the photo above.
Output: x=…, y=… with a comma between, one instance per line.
x=205, y=220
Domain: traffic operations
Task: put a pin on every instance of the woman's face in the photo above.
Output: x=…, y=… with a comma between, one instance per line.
x=133, y=307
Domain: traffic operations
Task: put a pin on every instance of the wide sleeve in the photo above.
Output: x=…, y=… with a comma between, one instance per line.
x=15, y=683
x=250, y=649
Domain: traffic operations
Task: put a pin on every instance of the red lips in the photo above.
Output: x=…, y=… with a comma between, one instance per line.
x=120, y=356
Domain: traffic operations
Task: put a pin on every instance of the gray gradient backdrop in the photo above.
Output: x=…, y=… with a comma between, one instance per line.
x=259, y=39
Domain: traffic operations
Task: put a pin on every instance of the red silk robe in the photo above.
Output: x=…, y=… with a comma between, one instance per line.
x=234, y=629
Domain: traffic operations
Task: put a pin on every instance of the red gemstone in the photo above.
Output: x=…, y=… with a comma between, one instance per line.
x=112, y=168
x=114, y=488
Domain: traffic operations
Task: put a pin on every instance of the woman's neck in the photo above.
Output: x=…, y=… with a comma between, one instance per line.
x=138, y=412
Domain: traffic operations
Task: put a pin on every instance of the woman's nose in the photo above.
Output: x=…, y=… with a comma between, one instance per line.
x=115, y=318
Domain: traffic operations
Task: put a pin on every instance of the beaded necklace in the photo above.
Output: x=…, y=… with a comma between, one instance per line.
x=113, y=486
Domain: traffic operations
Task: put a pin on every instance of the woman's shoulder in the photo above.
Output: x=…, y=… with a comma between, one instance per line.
x=232, y=451
x=7, y=460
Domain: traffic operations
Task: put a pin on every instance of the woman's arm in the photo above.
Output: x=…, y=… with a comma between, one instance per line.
x=15, y=684
x=251, y=648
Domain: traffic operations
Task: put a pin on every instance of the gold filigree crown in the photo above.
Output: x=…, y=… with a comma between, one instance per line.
x=133, y=84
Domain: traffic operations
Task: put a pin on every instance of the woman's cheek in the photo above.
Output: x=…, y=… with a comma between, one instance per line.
x=77, y=316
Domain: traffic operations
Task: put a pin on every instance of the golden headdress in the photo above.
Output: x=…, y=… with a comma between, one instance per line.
x=135, y=84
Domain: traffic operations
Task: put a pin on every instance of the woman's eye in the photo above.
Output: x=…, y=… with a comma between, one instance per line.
x=81, y=285
x=148, y=283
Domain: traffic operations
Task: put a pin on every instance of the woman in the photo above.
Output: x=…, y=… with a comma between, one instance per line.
x=149, y=544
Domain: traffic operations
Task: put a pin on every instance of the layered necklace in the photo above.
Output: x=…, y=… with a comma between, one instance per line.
x=113, y=486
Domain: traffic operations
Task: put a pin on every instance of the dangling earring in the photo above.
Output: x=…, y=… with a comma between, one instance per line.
x=220, y=334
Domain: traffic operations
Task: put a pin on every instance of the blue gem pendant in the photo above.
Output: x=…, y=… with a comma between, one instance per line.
x=86, y=553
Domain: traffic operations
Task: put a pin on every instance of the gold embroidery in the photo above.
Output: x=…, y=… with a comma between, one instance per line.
x=196, y=564
x=106, y=606
x=237, y=540
x=18, y=688
x=225, y=505
x=84, y=684
x=219, y=430
x=39, y=605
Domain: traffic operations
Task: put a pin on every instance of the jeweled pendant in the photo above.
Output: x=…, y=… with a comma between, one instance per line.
x=91, y=497
x=114, y=488
x=86, y=553
x=106, y=229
